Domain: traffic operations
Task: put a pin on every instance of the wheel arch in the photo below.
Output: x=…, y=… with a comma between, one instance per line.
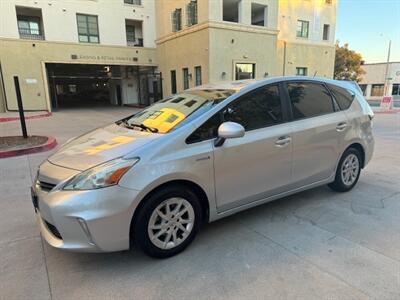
x=205, y=205
x=360, y=148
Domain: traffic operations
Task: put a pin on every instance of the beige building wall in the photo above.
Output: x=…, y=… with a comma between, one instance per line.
x=27, y=58
x=314, y=53
x=231, y=43
x=375, y=75
x=274, y=49
x=184, y=51
x=31, y=68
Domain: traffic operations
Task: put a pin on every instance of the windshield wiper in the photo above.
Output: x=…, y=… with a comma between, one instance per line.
x=142, y=126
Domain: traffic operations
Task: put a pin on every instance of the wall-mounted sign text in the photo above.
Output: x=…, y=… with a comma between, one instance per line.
x=104, y=58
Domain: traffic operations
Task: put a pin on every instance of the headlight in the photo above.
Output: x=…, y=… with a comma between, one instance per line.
x=103, y=175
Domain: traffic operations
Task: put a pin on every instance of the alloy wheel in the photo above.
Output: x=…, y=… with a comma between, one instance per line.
x=350, y=169
x=171, y=223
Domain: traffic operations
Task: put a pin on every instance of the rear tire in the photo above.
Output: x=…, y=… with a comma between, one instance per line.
x=168, y=221
x=348, y=171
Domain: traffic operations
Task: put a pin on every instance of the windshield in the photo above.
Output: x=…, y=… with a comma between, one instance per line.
x=172, y=112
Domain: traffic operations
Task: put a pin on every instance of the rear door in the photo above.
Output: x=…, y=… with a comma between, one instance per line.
x=318, y=130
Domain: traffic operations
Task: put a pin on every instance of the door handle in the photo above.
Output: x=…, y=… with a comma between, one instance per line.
x=283, y=141
x=341, y=126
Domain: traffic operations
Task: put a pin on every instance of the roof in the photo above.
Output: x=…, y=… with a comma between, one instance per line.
x=239, y=85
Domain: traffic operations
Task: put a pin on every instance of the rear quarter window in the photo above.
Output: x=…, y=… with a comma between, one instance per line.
x=343, y=97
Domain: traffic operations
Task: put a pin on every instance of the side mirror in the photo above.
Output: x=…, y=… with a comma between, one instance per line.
x=228, y=130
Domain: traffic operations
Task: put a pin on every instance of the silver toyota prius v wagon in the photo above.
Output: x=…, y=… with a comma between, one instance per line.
x=153, y=178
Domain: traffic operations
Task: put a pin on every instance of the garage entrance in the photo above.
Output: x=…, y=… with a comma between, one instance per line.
x=87, y=85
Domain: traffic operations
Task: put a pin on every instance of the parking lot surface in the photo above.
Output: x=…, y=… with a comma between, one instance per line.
x=317, y=244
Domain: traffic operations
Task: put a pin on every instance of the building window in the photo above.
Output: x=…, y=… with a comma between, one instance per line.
x=377, y=90
x=325, y=34
x=396, y=89
x=88, y=29
x=176, y=20
x=245, y=71
x=133, y=31
x=363, y=88
x=30, y=28
x=185, y=73
x=130, y=33
x=191, y=12
x=230, y=11
x=259, y=14
x=301, y=71
x=173, y=82
x=302, y=28
x=134, y=2
x=197, y=71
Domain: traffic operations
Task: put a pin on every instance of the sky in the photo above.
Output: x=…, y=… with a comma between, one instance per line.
x=367, y=26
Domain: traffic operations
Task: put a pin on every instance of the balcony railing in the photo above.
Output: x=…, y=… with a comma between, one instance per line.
x=134, y=2
x=30, y=34
x=136, y=42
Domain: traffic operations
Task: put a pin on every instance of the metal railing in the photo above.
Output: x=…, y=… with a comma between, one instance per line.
x=138, y=42
x=134, y=2
x=30, y=34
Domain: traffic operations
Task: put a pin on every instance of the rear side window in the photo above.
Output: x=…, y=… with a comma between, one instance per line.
x=256, y=109
x=343, y=97
x=309, y=99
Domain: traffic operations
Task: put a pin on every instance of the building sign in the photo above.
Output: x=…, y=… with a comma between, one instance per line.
x=387, y=102
x=104, y=58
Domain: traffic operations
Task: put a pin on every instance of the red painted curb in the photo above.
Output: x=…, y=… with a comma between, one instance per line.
x=393, y=111
x=50, y=144
x=9, y=119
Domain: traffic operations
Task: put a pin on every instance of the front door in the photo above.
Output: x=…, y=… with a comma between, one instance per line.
x=257, y=165
x=318, y=130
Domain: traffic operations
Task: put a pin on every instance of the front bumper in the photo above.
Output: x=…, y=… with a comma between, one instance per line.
x=86, y=221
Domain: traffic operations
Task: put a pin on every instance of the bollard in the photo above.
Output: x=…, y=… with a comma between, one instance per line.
x=20, y=107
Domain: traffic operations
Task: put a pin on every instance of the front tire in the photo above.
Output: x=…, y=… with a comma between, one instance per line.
x=168, y=221
x=348, y=171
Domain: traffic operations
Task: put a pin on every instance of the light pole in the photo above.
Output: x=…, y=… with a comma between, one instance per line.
x=385, y=89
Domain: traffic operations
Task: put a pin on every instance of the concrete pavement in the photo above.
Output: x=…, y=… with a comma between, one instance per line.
x=314, y=245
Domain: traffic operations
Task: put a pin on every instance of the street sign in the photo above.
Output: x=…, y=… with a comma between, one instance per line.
x=387, y=102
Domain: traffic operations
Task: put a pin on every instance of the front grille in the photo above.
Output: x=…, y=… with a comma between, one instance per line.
x=53, y=230
x=45, y=186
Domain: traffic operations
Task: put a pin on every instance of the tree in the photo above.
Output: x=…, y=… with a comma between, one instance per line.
x=348, y=64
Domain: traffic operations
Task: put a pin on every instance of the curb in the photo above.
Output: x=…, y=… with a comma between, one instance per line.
x=393, y=111
x=10, y=119
x=50, y=144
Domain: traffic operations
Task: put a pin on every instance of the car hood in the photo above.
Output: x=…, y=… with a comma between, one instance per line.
x=101, y=145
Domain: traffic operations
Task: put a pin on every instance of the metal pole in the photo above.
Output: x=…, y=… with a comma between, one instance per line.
x=20, y=107
x=387, y=69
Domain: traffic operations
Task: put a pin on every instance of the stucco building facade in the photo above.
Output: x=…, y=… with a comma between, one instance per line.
x=373, y=81
x=66, y=51
x=116, y=52
x=231, y=39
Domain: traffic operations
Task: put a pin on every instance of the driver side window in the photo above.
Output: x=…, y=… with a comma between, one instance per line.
x=256, y=109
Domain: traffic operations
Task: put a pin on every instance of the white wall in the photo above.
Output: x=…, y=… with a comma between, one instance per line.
x=59, y=19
